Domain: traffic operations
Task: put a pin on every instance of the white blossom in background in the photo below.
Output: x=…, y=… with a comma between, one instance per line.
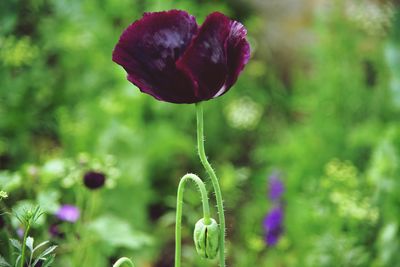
x=243, y=113
x=371, y=17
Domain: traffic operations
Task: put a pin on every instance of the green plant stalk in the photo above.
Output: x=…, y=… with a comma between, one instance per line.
x=214, y=180
x=179, y=206
x=10, y=247
x=22, y=263
x=84, y=247
x=123, y=260
x=77, y=227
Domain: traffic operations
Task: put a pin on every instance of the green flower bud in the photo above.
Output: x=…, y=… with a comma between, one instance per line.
x=206, y=239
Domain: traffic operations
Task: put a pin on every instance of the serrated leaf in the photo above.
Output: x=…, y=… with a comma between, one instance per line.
x=3, y=262
x=29, y=243
x=40, y=245
x=47, y=252
x=15, y=243
x=45, y=261
x=49, y=261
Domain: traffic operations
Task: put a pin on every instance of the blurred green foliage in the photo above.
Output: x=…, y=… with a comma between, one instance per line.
x=328, y=121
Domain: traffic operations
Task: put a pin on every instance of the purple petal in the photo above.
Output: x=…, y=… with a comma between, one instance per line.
x=205, y=59
x=68, y=213
x=273, y=225
x=274, y=218
x=148, y=50
x=238, y=53
x=216, y=56
x=272, y=236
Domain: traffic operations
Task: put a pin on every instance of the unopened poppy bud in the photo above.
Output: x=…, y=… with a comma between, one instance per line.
x=206, y=239
x=94, y=180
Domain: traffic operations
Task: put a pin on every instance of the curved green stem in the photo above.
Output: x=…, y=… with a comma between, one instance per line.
x=214, y=180
x=22, y=263
x=179, y=206
x=122, y=261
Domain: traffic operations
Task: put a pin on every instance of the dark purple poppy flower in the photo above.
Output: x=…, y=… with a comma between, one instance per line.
x=167, y=55
x=275, y=187
x=68, y=213
x=273, y=225
x=94, y=180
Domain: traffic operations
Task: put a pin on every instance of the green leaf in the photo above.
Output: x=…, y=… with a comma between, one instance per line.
x=46, y=261
x=118, y=233
x=3, y=262
x=47, y=252
x=29, y=243
x=18, y=260
x=40, y=245
x=15, y=243
x=49, y=261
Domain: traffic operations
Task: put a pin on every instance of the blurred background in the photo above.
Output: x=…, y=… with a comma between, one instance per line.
x=316, y=109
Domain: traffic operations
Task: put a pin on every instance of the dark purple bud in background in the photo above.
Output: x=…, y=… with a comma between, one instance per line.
x=168, y=56
x=55, y=231
x=94, y=180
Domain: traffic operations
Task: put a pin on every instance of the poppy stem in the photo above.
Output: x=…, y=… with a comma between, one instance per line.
x=214, y=180
x=179, y=206
x=123, y=260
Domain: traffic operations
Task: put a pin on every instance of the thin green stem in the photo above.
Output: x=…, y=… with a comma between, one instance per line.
x=22, y=263
x=214, y=180
x=10, y=248
x=179, y=206
x=3, y=211
x=123, y=260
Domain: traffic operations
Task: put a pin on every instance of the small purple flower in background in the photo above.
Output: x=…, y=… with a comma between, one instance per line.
x=20, y=232
x=273, y=225
x=168, y=56
x=273, y=221
x=275, y=187
x=68, y=213
x=55, y=231
x=94, y=180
